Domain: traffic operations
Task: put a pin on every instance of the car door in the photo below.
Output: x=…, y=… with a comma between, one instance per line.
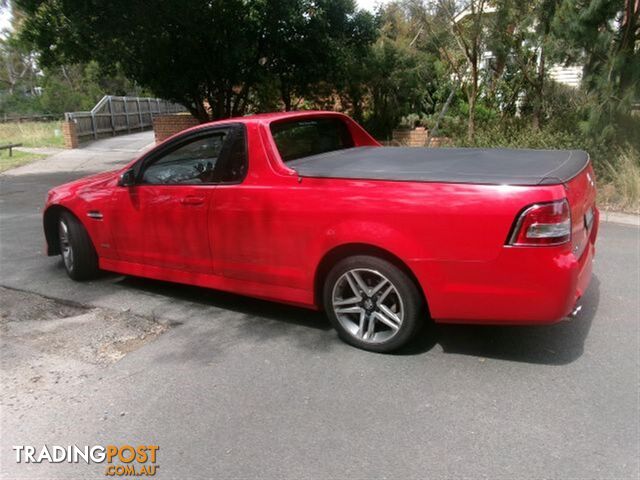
x=162, y=219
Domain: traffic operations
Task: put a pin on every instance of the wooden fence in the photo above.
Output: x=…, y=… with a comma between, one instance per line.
x=113, y=115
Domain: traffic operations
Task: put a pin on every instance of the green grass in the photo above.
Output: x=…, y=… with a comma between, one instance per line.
x=32, y=134
x=17, y=159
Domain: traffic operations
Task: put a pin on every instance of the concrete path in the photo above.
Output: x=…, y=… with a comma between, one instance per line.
x=40, y=150
x=105, y=154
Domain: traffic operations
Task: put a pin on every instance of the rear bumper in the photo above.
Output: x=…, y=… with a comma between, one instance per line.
x=539, y=285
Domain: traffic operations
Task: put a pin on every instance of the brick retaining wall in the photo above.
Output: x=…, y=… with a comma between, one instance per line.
x=70, y=134
x=418, y=137
x=411, y=138
x=166, y=125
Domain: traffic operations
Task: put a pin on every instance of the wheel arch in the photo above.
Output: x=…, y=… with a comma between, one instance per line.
x=50, y=223
x=341, y=252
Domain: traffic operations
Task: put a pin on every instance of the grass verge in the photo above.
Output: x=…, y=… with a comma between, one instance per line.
x=32, y=134
x=17, y=159
x=621, y=190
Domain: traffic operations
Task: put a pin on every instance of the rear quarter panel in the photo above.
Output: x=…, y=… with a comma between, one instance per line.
x=279, y=233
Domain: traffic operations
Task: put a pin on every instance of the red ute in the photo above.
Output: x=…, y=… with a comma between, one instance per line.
x=307, y=208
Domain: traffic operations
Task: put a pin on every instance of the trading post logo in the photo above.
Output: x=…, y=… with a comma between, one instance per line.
x=121, y=460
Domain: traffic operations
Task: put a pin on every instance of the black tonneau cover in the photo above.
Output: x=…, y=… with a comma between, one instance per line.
x=455, y=165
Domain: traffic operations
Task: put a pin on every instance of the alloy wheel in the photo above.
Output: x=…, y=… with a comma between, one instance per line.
x=368, y=305
x=65, y=245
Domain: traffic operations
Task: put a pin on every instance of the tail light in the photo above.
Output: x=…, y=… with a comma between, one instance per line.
x=542, y=224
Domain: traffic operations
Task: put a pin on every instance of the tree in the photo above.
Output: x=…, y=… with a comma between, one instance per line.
x=398, y=75
x=18, y=68
x=211, y=56
x=604, y=35
x=467, y=27
x=519, y=39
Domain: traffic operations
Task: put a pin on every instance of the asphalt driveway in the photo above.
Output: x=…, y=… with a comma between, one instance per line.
x=230, y=387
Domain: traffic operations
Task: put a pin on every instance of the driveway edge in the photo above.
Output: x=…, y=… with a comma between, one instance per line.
x=620, y=218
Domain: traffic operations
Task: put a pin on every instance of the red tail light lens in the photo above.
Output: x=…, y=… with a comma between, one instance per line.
x=543, y=224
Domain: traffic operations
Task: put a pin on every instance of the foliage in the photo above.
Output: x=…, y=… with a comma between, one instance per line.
x=474, y=70
x=27, y=89
x=604, y=35
x=210, y=56
x=622, y=186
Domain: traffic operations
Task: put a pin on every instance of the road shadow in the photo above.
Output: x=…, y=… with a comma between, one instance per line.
x=246, y=321
x=248, y=306
x=557, y=344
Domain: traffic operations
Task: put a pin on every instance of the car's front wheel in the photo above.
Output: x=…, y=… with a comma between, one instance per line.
x=373, y=304
x=77, y=251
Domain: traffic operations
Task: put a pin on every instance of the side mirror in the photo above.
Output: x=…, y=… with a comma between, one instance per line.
x=127, y=179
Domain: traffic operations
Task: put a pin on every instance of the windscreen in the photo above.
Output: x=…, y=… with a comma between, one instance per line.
x=304, y=138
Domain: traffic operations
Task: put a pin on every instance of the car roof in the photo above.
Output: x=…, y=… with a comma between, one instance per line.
x=260, y=118
x=272, y=116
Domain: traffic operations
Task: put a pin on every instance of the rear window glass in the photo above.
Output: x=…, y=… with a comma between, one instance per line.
x=303, y=138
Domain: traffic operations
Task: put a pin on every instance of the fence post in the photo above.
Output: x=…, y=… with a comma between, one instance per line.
x=126, y=114
x=111, y=119
x=149, y=108
x=93, y=126
x=139, y=113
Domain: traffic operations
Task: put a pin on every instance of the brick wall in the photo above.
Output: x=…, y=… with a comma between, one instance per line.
x=70, y=134
x=166, y=125
x=440, y=142
x=418, y=137
x=411, y=138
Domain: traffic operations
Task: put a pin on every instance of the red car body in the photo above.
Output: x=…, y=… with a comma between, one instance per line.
x=274, y=234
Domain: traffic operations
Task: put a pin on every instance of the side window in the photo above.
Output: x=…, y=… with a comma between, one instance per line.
x=192, y=163
x=235, y=166
x=303, y=138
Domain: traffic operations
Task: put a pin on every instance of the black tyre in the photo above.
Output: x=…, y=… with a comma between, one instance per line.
x=77, y=251
x=373, y=304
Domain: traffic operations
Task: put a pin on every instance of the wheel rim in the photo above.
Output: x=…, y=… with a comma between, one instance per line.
x=368, y=305
x=65, y=245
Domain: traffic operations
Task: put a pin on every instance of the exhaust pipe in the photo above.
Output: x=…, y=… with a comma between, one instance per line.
x=575, y=311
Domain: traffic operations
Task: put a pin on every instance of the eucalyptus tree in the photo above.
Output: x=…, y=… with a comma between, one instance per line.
x=211, y=56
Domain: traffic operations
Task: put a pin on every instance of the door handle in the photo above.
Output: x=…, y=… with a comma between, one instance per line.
x=192, y=200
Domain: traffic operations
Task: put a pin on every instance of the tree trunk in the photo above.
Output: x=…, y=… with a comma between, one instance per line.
x=628, y=39
x=473, y=96
x=355, y=95
x=443, y=112
x=286, y=99
x=539, y=91
x=471, y=127
x=198, y=110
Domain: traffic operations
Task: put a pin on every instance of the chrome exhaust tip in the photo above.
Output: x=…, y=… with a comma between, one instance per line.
x=575, y=311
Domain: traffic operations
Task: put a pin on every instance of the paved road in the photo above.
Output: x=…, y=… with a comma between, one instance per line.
x=239, y=388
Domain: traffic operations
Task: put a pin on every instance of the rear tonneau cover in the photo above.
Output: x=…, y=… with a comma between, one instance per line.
x=453, y=165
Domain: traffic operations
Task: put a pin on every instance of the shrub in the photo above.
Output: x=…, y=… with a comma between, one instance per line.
x=621, y=188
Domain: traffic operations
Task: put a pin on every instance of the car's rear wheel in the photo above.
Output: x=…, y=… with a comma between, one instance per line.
x=373, y=304
x=76, y=249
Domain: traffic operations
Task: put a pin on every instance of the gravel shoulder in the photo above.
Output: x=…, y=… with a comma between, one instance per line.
x=45, y=341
